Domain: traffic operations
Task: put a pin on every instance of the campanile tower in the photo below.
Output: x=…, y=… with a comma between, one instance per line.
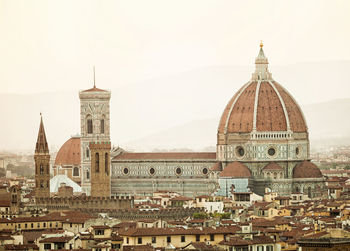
x=94, y=127
x=42, y=164
x=100, y=169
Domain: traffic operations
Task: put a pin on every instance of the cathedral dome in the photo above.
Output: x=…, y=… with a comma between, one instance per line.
x=236, y=170
x=307, y=169
x=69, y=153
x=262, y=105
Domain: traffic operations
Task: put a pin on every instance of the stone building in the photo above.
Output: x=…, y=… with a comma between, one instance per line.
x=101, y=198
x=262, y=142
x=263, y=128
x=94, y=126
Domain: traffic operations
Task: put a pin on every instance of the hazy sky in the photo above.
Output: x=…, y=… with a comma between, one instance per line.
x=146, y=50
x=52, y=45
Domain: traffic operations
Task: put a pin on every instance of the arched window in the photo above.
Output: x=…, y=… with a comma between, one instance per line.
x=297, y=190
x=102, y=126
x=87, y=152
x=275, y=175
x=89, y=124
x=41, y=169
x=75, y=171
x=106, y=163
x=97, y=162
x=87, y=174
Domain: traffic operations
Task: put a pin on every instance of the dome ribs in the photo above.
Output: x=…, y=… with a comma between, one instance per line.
x=241, y=117
x=270, y=114
x=296, y=118
x=227, y=110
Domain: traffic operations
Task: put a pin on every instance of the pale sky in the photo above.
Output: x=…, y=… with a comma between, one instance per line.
x=52, y=45
x=150, y=52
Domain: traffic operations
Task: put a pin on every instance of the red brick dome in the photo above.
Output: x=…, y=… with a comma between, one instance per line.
x=306, y=169
x=69, y=153
x=264, y=106
x=236, y=170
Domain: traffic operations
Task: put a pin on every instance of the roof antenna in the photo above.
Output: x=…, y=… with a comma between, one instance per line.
x=94, y=78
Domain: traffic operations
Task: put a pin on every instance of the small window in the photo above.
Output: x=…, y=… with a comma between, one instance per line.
x=99, y=232
x=205, y=171
x=87, y=174
x=41, y=169
x=102, y=126
x=178, y=171
x=75, y=171
x=168, y=239
x=139, y=240
x=106, y=163
x=152, y=171
x=87, y=153
x=198, y=237
x=47, y=246
x=240, y=151
x=154, y=240
x=212, y=237
x=125, y=170
x=97, y=162
x=183, y=238
x=271, y=151
x=89, y=126
x=127, y=240
x=269, y=248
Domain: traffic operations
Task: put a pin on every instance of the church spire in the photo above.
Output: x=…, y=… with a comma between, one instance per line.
x=41, y=143
x=261, y=66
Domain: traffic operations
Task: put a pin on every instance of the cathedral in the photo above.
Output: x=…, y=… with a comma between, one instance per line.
x=262, y=142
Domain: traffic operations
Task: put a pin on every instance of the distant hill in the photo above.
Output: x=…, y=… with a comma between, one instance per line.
x=182, y=110
x=326, y=125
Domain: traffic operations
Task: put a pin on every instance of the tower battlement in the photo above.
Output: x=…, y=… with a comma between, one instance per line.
x=88, y=203
x=100, y=145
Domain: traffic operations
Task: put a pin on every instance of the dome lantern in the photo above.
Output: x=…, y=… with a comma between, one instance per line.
x=261, y=66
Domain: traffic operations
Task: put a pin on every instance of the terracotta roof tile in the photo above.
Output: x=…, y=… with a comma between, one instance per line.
x=306, y=169
x=236, y=170
x=69, y=153
x=94, y=89
x=270, y=116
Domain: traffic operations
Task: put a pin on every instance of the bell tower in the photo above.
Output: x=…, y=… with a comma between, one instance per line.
x=100, y=169
x=94, y=127
x=42, y=164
